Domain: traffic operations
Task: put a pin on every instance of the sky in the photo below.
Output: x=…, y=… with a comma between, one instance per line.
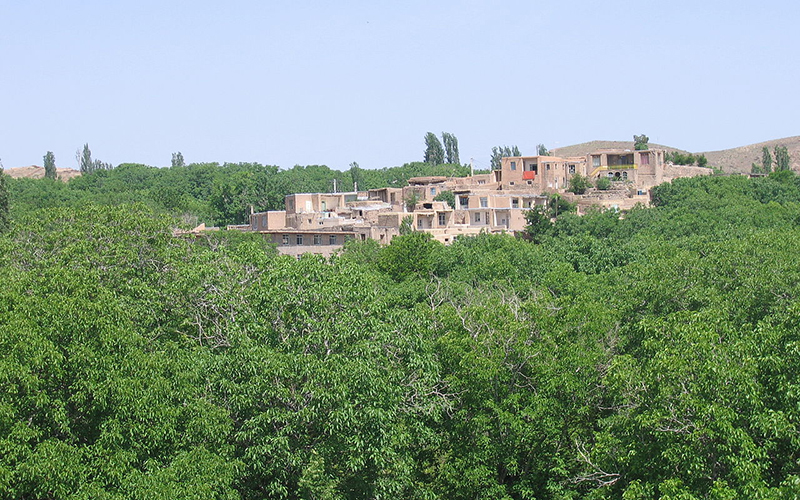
x=329, y=83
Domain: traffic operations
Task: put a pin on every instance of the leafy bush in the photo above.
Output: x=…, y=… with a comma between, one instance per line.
x=603, y=184
x=578, y=184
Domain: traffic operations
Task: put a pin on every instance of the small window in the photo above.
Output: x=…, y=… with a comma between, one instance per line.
x=299, y=239
x=572, y=169
x=477, y=216
x=595, y=161
x=547, y=166
x=464, y=202
x=263, y=221
x=625, y=176
x=529, y=183
x=318, y=239
x=442, y=219
x=514, y=202
x=511, y=183
x=332, y=239
x=513, y=165
x=480, y=183
x=484, y=202
x=433, y=191
x=419, y=223
x=285, y=239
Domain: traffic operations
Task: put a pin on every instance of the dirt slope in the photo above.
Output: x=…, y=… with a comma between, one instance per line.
x=37, y=172
x=729, y=160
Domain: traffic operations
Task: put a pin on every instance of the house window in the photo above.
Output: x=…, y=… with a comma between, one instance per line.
x=511, y=183
x=299, y=239
x=484, y=202
x=324, y=206
x=442, y=219
x=318, y=239
x=645, y=158
x=285, y=239
x=477, y=216
x=547, y=166
x=572, y=169
x=433, y=191
x=625, y=176
x=481, y=183
x=419, y=223
x=513, y=165
x=514, y=202
x=332, y=239
x=263, y=221
x=464, y=202
x=595, y=161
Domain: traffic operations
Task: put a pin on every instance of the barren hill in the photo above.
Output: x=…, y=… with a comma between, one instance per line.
x=729, y=160
x=742, y=158
x=587, y=147
x=37, y=172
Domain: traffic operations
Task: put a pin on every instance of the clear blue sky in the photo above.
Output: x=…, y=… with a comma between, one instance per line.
x=294, y=82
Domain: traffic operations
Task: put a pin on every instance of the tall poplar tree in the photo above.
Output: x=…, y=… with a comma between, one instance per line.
x=177, y=160
x=85, y=159
x=4, y=204
x=766, y=160
x=434, y=152
x=781, y=158
x=450, y=148
x=50, y=165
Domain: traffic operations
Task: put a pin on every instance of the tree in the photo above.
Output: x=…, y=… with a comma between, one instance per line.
x=539, y=224
x=4, y=205
x=100, y=165
x=500, y=152
x=766, y=160
x=177, y=160
x=542, y=150
x=782, y=159
x=603, y=184
x=578, y=184
x=434, y=153
x=447, y=196
x=49, y=165
x=357, y=176
x=450, y=148
x=84, y=158
x=702, y=161
x=411, y=200
x=640, y=142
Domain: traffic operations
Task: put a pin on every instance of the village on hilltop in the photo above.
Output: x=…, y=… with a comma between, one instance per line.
x=494, y=202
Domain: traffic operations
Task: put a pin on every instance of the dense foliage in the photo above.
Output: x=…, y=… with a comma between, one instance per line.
x=209, y=192
x=653, y=356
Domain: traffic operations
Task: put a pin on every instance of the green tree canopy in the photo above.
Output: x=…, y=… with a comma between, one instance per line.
x=49, y=165
x=434, y=152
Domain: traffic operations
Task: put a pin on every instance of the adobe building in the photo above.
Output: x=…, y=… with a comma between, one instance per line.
x=496, y=202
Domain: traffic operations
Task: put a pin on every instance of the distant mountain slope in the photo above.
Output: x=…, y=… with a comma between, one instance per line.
x=729, y=160
x=37, y=172
x=741, y=159
x=587, y=147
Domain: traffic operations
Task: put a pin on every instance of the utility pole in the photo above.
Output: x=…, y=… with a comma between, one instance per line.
x=471, y=168
x=334, y=185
